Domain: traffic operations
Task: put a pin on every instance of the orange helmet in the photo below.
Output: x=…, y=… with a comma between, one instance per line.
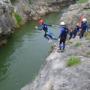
x=41, y=21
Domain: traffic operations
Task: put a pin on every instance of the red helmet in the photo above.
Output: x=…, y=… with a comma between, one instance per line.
x=41, y=21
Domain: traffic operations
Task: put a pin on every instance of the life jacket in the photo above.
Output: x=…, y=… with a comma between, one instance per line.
x=77, y=29
x=84, y=26
x=45, y=27
x=64, y=32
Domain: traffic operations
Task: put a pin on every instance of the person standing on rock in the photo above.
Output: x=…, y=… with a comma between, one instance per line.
x=43, y=26
x=70, y=33
x=84, y=27
x=63, y=35
x=76, y=30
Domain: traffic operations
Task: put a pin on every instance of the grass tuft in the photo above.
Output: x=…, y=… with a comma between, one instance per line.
x=88, y=54
x=73, y=61
x=13, y=1
x=77, y=44
x=87, y=35
x=18, y=18
x=82, y=1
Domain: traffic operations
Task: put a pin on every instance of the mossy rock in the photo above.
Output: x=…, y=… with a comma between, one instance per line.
x=13, y=1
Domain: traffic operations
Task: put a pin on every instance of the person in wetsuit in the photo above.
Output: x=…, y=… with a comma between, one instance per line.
x=63, y=35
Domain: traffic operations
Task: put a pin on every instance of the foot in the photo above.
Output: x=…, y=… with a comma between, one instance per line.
x=49, y=40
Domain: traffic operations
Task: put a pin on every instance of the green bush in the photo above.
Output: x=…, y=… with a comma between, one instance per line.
x=88, y=53
x=18, y=18
x=13, y=1
x=82, y=1
x=87, y=35
x=73, y=61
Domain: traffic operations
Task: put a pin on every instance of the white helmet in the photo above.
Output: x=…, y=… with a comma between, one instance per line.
x=84, y=19
x=62, y=23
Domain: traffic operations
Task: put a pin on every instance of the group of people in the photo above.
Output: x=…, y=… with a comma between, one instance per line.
x=80, y=29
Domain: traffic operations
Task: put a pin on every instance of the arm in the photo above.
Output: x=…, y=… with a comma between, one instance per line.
x=87, y=27
x=60, y=33
x=40, y=27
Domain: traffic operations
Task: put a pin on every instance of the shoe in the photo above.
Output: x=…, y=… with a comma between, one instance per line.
x=49, y=40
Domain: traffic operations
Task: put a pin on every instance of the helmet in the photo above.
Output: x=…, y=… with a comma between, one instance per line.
x=41, y=21
x=62, y=23
x=84, y=19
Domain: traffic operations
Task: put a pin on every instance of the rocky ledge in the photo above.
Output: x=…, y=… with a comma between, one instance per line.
x=56, y=73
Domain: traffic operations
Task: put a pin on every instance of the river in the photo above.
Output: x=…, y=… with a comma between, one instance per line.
x=25, y=52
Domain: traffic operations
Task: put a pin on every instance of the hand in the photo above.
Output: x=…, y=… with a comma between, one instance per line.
x=59, y=39
x=36, y=27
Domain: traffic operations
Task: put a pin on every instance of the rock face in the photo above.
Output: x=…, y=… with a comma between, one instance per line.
x=13, y=15
x=37, y=8
x=42, y=7
x=56, y=75
x=6, y=20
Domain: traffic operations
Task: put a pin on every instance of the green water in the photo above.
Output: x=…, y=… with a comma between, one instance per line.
x=25, y=52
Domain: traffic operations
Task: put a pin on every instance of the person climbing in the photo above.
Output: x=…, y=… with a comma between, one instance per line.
x=76, y=30
x=84, y=27
x=43, y=26
x=63, y=35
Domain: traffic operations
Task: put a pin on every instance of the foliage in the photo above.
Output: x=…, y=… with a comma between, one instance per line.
x=82, y=1
x=30, y=1
x=69, y=42
x=87, y=35
x=73, y=61
x=88, y=53
x=18, y=18
x=13, y=1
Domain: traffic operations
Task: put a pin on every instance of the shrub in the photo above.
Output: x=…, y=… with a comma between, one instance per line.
x=18, y=18
x=88, y=53
x=13, y=1
x=82, y=1
x=87, y=35
x=73, y=61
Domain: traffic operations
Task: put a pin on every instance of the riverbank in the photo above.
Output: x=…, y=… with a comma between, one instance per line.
x=57, y=74
x=14, y=15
